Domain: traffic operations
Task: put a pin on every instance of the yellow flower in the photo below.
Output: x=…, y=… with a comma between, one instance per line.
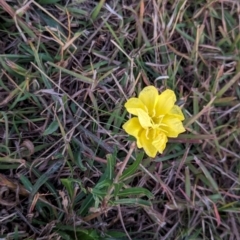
x=157, y=118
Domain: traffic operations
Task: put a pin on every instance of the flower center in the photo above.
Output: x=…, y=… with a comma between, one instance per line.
x=157, y=121
x=156, y=126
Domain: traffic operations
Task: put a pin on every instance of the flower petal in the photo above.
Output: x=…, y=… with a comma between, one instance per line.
x=146, y=142
x=149, y=97
x=172, y=125
x=165, y=102
x=176, y=111
x=133, y=127
x=160, y=142
x=133, y=104
x=144, y=119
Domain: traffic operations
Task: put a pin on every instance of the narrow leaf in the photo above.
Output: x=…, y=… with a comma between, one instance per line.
x=51, y=128
x=132, y=169
x=110, y=166
x=135, y=191
x=68, y=184
x=207, y=174
x=44, y=177
x=76, y=75
x=135, y=201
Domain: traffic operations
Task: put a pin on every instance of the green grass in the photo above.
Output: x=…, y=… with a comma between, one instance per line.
x=67, y=169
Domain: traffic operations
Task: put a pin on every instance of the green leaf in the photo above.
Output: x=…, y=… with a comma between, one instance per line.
x=72, y=73
x=211, y=181
x=51, y=128
x=48, y=1
x=99, y=193
x=40, y=206
x=103, y=184
x=26, y=183
x=135, y=191
x=97, y=9
x=68, y=184
x=135, y=201
x=9, y=166
x=78, y=161
x=50, y=22
x=100, y=189
x=44, y=177
x=64, y=235
x=117, y=188
x=114, y=235
x=111, y=161
x=132, y=169
x=72, y=233
x=86, y=204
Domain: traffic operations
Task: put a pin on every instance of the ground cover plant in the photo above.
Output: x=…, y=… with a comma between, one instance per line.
x=68, y=170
